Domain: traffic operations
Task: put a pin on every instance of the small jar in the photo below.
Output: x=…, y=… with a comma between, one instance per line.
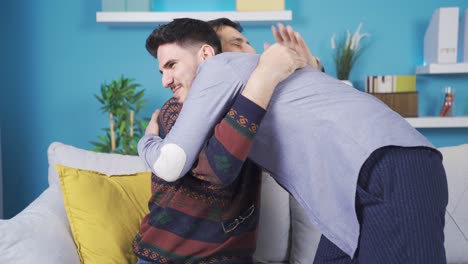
x=448, y=102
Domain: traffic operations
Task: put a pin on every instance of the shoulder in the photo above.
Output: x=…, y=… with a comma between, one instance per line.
x=230, y=59
x=168, y=115
x=230, y=64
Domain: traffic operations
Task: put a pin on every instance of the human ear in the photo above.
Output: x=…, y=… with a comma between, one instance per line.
x=206, y=51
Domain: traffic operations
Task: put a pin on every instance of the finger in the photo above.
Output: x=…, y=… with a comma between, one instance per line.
x=291, y=34
x=301, y=40
x=266, y=45
x=276, y=34
x=283, y=32
x=156, y=112
x=155, y=115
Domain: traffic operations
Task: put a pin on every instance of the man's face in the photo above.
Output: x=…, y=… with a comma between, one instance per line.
x=233, y=41
x=178, y=66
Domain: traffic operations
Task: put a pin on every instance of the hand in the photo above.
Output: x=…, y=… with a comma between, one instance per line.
x=153, y=127
x=279, y=61
x=292, y=39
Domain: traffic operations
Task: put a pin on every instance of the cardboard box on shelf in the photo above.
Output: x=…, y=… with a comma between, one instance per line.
x=404, y=103
x=259, y=5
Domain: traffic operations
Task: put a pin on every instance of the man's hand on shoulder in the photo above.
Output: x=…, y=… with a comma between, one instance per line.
x=153, y=127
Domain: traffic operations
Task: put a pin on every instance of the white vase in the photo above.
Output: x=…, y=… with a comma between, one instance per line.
x=348, y=82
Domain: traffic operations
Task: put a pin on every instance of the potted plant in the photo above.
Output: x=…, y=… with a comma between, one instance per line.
x=347, y=52
x=122, y=101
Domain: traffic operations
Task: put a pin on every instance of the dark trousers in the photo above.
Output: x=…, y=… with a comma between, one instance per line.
x=401, y=198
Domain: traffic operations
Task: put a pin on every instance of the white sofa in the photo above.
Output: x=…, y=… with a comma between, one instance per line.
x=41, y=232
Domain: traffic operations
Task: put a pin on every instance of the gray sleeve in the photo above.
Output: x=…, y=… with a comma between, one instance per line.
x=213, y=92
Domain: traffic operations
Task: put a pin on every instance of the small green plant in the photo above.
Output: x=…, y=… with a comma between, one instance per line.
x=122, y=102
x=347, y=52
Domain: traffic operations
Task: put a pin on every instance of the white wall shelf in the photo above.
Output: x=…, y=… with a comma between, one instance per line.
x=452, y=68
x=145, y=19
x=438, y=122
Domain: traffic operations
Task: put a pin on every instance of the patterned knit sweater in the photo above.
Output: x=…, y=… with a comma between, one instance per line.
x=211, y=214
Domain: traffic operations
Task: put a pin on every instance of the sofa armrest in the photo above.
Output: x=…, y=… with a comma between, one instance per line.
x=39, y=234
x=456, y=216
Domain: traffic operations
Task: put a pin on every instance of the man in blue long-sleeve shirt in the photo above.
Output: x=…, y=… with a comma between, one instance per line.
x=372, y=184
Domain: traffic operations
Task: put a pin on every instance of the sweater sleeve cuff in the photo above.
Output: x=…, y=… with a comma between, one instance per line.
x=245, y=115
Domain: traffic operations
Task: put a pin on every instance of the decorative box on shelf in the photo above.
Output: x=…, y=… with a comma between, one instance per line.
x=404, y=103
x=126, y=5
x=259, y=5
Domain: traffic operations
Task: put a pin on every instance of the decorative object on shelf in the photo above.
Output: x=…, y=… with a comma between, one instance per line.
x=121, y=100
x=347, y=52
x=139, y=5
x=259, y=5
x=441, y=37
x=113, y=5
x=448, y=103
x=126, y=5
x=193, y=6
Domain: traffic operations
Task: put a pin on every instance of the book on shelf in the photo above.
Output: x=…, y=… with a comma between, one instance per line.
x=397, y=91
x=390, y=83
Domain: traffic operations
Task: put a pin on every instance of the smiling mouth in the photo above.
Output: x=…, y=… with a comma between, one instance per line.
x=175, y=89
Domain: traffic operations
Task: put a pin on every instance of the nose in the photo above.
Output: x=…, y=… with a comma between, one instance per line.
x=167, y=79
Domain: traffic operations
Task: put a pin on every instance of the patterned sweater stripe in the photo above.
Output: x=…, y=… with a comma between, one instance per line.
x=182, y=246
x=228, y=256
x=204, y=172
x=192, y=228
x=197, y=189
x=232, y=140
x=225, y=166
x=188, y=206
x=245, y=116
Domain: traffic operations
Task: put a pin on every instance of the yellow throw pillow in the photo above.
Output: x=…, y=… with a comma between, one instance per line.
x=105, y=212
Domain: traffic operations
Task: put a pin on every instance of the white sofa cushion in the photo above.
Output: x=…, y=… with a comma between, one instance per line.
x=274, y=225
x=305, y=237
x=39, y=234
x=109, y=164
x=456, y=217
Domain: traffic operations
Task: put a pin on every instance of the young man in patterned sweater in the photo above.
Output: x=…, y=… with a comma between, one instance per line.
x=211, y=214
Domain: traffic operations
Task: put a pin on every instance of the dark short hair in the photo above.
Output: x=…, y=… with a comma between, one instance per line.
x=224, y=22
x=184, y=32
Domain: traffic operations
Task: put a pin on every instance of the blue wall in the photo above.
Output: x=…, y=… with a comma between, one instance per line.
x=55, y=57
